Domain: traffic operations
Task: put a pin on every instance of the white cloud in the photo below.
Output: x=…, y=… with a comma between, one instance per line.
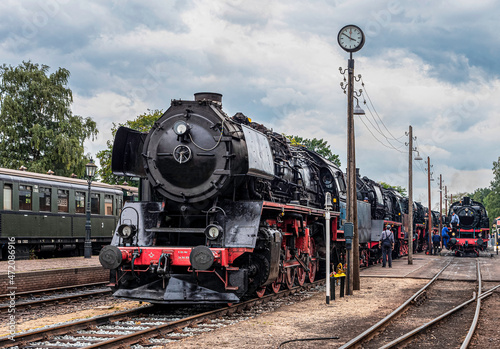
x=278, y=62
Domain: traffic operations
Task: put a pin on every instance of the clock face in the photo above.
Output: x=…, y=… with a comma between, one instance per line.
x=351, y=38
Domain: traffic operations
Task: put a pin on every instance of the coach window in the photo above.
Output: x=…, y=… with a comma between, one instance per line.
x=25, y=195
x=79, y=202
x=62, y=200
x=108, y=205
x=44, y=199
x=94, y=203
x=7, y=197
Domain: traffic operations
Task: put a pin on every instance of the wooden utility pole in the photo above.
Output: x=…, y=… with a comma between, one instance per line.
x=441, y=207
x=446, y=200
x=410, y=196
x=353, y=282
x=429, y=214
x=351, y=39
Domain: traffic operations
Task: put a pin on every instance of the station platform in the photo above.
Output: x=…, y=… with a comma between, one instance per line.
x=36, y=274
x=426, y=266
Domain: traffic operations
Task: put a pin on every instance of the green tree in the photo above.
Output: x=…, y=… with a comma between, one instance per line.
x=480, y=194
x=398, y=188
x=492, y=205
x=495, y=183
x=319, y=146
x=37, y=127
x=142, y=123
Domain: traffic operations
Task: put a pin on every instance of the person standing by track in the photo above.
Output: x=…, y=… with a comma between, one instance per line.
x=387, y=244
x=445, y=236
x=436, y=241
x=455, y=221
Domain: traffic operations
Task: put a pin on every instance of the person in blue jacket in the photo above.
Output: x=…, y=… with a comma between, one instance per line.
x=445, y=236
x=436, y=241
x=455, y=221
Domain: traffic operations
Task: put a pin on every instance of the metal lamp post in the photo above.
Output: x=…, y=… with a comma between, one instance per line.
x=89, y=173
x=429, y=213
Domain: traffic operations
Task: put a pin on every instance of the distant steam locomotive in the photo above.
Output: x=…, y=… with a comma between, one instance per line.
x=472, y=233
x=230, y=208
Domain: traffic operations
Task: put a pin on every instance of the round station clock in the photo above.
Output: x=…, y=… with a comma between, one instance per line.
x=351, y=38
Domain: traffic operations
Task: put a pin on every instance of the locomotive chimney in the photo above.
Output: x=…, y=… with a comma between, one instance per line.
x=208, y=96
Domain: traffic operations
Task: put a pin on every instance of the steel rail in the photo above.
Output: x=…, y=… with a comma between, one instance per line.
x=55, y=289
x=372, y=329
x=439, y=318
x=473, y=326
x=172, y=326
x=55, y=299
x=22, y=339
x=37, y=335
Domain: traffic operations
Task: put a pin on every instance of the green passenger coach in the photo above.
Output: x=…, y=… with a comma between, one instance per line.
x=46, y=214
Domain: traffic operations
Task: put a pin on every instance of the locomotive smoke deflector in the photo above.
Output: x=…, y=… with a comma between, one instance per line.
x=126, y=159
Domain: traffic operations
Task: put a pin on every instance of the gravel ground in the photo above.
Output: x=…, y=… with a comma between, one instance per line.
x=344, y=317
x=312, y=318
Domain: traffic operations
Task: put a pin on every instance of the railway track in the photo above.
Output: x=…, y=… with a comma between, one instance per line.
x=140, y=325
x=60, y=295
x=387, y=333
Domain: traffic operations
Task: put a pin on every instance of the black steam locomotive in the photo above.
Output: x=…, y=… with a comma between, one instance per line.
x=230, y=208
x=471, y=235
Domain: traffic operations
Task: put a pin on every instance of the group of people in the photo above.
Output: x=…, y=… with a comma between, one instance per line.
x=445, y=234
x=386, y=242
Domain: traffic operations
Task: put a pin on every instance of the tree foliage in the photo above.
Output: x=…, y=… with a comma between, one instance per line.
x=37, y=127
x=142, y=123
x=480, y=194
x=398, y=188
x=319, y=146
x=490, y=197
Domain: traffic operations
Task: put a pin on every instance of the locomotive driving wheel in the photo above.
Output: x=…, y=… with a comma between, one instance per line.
x=301, y=276
x=276, y=285
x=260, y=292
x=312, y=270
x=289, y=277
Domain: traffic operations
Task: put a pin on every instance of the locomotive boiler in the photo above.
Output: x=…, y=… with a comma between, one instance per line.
x=472, y=233
x=228, y=208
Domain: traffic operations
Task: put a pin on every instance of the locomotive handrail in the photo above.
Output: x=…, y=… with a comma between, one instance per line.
x=175, y=230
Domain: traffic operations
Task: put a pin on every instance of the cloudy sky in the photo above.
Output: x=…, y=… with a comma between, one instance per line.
x=430, y=64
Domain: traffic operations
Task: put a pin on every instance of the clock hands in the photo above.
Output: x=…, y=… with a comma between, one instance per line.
x=347, y=36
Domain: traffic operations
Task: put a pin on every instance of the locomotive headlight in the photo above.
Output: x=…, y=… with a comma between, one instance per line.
x=213, y=231
x=180, y=128
x=126, y=231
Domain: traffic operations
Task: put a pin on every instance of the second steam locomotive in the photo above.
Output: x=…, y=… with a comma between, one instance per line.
x=471, y=234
